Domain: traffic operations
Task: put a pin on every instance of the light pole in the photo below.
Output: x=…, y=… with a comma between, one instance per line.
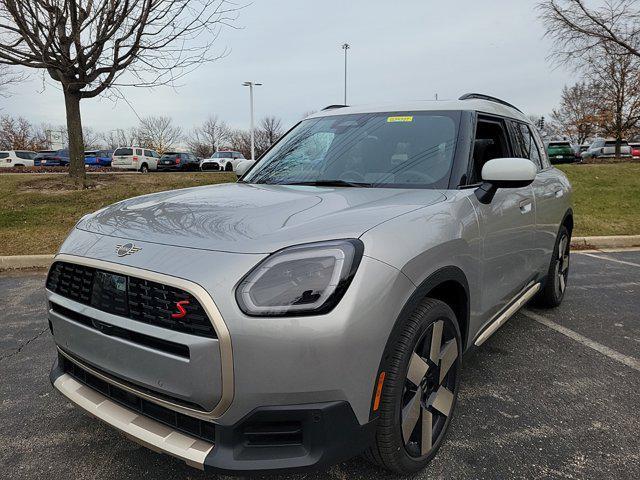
x=251, y=85
x=345, y=47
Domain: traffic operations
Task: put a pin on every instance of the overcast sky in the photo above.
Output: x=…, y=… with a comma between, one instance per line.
x=402, y=50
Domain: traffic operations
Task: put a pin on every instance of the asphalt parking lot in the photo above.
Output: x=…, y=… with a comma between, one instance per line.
x=553, y=394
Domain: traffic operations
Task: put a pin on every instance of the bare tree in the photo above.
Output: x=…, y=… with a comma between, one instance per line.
x=616, y=79
x=577, y=28
x=7, y=78
x=159, y=133
x=272, y=128
x=19, y=134
x=240, y=140
x=206, y=139
x=577, y=116
x=120, y=137
x=92, y=139
x=90, y=46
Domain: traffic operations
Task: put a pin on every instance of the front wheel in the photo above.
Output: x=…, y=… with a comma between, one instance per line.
x=144, y=168
x=420, y=389
x=555, y=282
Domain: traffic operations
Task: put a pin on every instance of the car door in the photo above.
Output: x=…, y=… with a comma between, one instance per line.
x=548, y=191
x=507, y=223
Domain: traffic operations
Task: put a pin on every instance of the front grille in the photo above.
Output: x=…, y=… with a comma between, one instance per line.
x=183, y=423
x=210, y=166
x=131, y=297
x=115, y=331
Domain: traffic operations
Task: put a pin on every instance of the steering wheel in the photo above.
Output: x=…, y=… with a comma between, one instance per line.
x=351, y=176
x=413, y=175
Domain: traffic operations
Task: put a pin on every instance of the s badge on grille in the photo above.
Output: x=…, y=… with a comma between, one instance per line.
x=126, y=249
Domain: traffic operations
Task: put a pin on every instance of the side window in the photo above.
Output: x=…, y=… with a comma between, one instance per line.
x=542, y=151
x=527, y=144
x=490, y=142
x=139, y=151
x=147, y=153
x=4, y=155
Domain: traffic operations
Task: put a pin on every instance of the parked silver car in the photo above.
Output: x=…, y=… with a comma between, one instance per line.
x=318, y=308
x=602, y=148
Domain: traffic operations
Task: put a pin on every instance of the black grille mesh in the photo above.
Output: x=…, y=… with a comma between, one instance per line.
x=131, y=297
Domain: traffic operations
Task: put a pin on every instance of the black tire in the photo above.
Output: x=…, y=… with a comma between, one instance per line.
x=400, y=394
x=555, y=283
x=144, y=168
x=229, y=167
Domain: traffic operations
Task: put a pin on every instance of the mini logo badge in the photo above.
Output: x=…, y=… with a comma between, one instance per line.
x=126, y=249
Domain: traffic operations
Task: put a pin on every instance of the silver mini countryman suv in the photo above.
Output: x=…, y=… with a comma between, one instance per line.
x=320, y=307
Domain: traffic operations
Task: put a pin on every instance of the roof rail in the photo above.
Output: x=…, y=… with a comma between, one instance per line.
x=331, y=107
x=481, y=96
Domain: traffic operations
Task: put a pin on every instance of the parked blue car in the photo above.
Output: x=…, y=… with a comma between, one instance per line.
x=58, y=158
x=98, y=158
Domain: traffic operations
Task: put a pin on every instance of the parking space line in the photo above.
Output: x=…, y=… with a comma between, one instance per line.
x=598, y=347
x=605, y=257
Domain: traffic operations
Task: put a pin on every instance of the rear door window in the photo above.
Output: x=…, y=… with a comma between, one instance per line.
x=148, y=153
x=526, y=142
x=139, y=151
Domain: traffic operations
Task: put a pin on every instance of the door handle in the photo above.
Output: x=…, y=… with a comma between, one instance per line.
x=525, y=206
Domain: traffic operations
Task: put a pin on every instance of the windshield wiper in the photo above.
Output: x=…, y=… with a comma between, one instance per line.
x=330, y=183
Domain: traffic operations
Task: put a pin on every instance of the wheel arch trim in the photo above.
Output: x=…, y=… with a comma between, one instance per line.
x=437, y=278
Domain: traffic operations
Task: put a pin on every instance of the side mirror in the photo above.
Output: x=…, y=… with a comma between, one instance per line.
x=504, y=173
x=243, y=167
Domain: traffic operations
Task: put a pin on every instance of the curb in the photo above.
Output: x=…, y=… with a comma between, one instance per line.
x=16, y=262
x=616, y=241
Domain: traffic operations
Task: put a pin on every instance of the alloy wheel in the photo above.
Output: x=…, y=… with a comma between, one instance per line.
x=429, y=389
x=562, y=265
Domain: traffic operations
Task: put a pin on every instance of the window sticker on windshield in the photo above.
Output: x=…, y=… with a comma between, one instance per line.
x=400, y=119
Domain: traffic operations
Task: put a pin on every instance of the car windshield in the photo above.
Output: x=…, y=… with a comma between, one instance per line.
x=222, y=155
x=397, y=149
x=170, y=156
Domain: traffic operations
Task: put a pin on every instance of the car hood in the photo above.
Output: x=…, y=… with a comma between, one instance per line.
x=245, y=218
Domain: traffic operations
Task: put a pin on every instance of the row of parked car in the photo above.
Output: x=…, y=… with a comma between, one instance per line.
x=125, y=158
x=565, y=152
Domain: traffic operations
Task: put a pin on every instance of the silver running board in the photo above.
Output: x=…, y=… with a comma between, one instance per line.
x=507, y=314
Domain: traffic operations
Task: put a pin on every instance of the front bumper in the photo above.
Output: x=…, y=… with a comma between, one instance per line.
x=271, y=363
x=272, y=438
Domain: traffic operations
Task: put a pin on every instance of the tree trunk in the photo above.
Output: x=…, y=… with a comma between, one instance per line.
x=76, y=142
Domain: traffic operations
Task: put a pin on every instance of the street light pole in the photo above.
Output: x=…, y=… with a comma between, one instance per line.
x=251, y=85
x=345, y=47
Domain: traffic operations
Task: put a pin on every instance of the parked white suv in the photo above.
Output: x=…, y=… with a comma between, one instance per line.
x=135, y=158
x=16, y=158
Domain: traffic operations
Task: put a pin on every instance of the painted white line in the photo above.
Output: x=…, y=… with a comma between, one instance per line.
x=598, y=347
x=613, y=285
x=604, y=257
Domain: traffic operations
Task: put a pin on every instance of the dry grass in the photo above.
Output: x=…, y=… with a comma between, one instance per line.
x=37, y=212
x=606, y=198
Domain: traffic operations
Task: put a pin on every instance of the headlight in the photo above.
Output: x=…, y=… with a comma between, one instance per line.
x=302, y=280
